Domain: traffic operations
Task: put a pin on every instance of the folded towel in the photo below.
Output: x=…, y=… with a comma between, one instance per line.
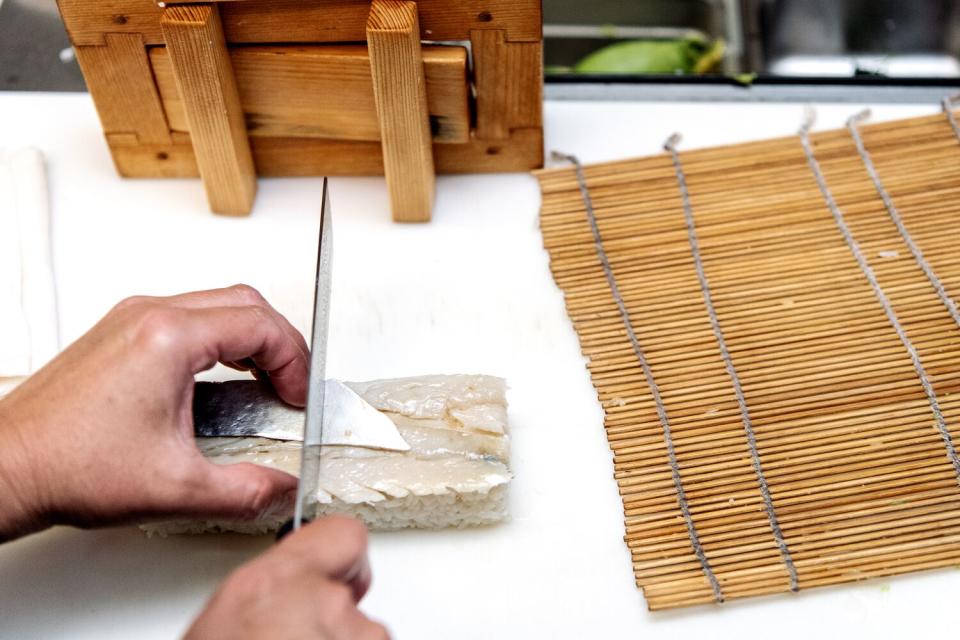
x=29, y=332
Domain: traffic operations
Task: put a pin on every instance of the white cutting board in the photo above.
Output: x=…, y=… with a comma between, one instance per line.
x=470, y=292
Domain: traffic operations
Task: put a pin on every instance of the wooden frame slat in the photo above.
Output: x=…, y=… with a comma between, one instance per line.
x=325, y=91
x=509, y=89
x=304, y=21
x=201, y=66
x=308, y=157
x=400, y=94
x=118, y=77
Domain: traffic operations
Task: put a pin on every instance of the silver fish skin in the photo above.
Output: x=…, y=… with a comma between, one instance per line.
x=250, y=408
x=243, y=408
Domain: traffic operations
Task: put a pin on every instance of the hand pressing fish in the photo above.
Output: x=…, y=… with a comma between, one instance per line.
x=424, y=452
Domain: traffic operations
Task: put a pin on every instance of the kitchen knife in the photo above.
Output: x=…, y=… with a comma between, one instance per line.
x=306, y=505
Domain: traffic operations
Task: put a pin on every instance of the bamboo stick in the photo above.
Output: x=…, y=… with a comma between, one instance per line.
x=858, y=473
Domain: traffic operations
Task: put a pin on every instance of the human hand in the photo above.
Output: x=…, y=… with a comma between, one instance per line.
x=307, y=586
x=104, y=433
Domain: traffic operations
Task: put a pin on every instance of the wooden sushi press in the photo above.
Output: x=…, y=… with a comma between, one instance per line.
x=231, y=89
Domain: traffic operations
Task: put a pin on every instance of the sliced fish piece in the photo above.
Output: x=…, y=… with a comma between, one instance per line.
x=433, y=396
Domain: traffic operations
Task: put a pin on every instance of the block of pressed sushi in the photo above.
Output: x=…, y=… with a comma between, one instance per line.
x=445, y=465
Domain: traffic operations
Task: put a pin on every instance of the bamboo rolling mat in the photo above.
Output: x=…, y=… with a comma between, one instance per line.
x=771, y=332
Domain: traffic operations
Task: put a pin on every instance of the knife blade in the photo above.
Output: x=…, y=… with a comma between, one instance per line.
x=306, y=505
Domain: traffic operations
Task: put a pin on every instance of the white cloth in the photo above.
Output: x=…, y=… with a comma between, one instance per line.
x=29, y=332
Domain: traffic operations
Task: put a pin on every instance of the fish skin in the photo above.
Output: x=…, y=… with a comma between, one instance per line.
x=243, y=408
x=251, y=408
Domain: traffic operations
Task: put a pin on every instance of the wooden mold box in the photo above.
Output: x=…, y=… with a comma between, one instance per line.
x=231, y=89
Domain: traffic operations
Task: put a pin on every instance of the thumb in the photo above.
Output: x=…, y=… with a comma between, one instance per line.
x=245, y=491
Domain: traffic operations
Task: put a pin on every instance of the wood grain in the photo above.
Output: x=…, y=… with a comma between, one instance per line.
x=857, y=469
x=201, y=66
x=400, y=94
x=523, y=151
x=509, y=83
x=113, y=36
x=304, y=21
x=118, y=77
x=325, y=91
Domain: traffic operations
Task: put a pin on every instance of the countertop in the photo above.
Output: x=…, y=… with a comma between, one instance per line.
x=469, y=292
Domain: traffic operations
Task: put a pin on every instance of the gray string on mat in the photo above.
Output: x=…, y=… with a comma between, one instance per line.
x=671, y=147
x=947, y=104
x=841, y=223
x=895, y=215
x=647, y=373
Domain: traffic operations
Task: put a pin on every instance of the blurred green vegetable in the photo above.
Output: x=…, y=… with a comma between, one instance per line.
x=744, y=79
x=690, y=55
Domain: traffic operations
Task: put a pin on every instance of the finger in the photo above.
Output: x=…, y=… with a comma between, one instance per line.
x=337, y=547
x=238, y=295
x=242, y=491
x=243, y=365
x=233, y=296
x=247, y=364
x=231, y=334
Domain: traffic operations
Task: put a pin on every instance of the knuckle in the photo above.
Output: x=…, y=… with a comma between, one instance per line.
x=257, y=315
x=185, y=478
x=130, y=302
x=157, y=328
x=260, y=314
x=248, y=295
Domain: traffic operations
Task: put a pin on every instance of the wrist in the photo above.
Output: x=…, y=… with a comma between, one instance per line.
x=21, y=510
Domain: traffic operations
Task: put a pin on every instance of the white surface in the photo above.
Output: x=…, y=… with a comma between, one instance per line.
x=28, y=307
x=470, y=292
